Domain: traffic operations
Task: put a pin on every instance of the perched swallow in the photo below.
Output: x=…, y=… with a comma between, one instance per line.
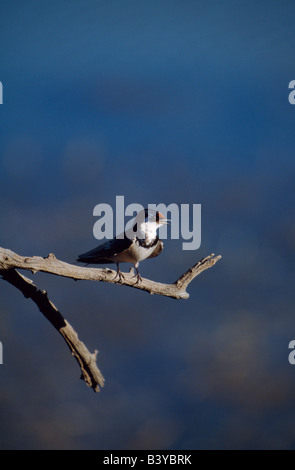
x=138, y=243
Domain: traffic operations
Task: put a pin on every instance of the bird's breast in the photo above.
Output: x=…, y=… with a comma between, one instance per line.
x=135, y=253
x=141, y=252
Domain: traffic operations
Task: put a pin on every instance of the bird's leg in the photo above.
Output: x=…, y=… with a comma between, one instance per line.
x=139, y=278
x=119, y=273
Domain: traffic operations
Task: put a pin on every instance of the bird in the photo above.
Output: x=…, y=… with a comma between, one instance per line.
x=134, y=245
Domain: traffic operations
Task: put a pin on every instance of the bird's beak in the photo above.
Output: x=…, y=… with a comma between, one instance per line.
x=162, y=220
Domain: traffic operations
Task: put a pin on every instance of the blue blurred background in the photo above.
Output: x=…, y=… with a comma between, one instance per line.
x=159, y=101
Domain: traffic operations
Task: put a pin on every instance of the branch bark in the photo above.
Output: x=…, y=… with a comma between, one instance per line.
x=50, y=264
x=90, y=373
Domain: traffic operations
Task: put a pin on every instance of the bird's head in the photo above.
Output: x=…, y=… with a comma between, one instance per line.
x=147, y=223
x=154, y=217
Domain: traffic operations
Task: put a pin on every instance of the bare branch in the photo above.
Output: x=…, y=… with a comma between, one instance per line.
x=184, y=280
x=87, y=361
x=9, y=261
x=50, y=264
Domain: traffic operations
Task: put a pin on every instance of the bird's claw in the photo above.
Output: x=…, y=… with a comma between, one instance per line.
x=120, y=275
x=139, y=278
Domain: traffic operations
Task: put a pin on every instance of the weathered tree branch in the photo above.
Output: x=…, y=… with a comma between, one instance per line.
x=50, y=264
x=9, y=261
x=87, y=361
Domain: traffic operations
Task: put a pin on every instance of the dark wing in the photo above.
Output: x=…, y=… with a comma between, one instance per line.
x=102, y=253
x=158, y=249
